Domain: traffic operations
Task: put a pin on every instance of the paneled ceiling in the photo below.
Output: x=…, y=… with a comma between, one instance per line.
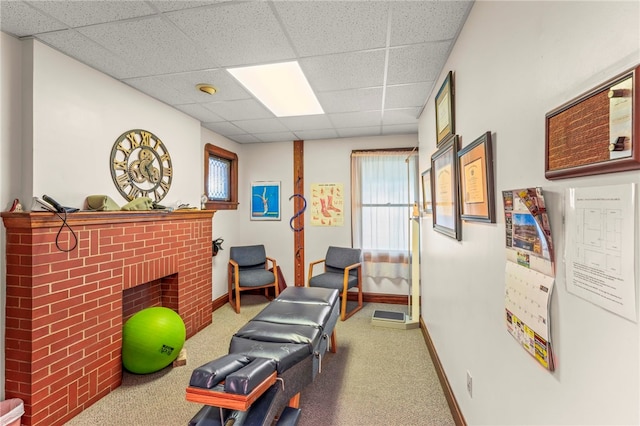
x=372, y=64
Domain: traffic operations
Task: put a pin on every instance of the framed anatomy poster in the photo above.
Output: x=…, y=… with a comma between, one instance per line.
x=327, y=204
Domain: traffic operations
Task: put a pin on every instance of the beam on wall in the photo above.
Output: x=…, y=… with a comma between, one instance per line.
x=297, y=221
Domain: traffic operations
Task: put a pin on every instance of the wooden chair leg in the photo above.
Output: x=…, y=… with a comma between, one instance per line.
x=333, y=348
x=237, y=298
x=229, y=285
x=295, y=401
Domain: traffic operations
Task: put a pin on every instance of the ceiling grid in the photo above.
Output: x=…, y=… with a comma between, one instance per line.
x=372, y=64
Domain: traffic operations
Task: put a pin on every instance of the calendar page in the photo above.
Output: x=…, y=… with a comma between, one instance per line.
x=527, y=299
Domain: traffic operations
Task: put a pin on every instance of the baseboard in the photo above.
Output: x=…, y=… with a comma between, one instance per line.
x=458, y=418
x=220, y=302
x=392, y=299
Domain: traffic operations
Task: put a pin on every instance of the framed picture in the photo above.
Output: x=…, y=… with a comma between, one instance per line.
x=265, y=200
x=444, y=189
x=597, y=132
x=445, y=126
x=475, y=163
x=426, y=192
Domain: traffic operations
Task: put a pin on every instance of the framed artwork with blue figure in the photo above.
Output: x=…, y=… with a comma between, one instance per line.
x=265, y=200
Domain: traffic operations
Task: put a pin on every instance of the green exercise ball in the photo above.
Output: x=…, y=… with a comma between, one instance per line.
x=152, y=339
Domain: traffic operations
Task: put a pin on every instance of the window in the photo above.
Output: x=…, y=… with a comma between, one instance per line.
x=220, y=178
x=384, y=189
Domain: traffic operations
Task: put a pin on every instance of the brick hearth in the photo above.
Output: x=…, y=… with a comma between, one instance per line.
x=64, y=310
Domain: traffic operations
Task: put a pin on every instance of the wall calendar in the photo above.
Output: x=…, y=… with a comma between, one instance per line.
x=529, y=273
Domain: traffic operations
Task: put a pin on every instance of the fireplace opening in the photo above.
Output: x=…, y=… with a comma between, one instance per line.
x=160, y=292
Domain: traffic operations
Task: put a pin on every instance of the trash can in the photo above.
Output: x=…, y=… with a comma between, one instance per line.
x=11, y=412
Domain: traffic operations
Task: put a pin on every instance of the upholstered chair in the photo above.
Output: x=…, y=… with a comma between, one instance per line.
x=342, y=271
x=249, y=268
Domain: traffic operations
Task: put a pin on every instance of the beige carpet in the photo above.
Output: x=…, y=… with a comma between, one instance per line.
x=380, y=376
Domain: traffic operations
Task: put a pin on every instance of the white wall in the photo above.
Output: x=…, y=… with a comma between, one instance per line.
x=10, y=154
x=78, y=113
x=226, y=223
x=60, y=119
x=514, y=62
x=325, y=161
x=329, y=161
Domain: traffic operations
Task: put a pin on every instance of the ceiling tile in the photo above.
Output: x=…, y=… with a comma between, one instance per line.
x=407, y=95
x=227, y=87
x=89, y=12
x=351, y=100
x=316, y=134
x=224, y=128
x=306, y=121
x=345, y=71
x=275, y=137
x=246, y=138
x=417, y=63
x=339, y=26
x=248, y=109
x=354, y=132
x=138, y=42
x=400, y=116
x=365, y=60
x=167, y=6
x=356, y=119
x=199, y=112
x=400, y=129
x=236, y=33
x=264, y=125
x=420, y=21
x=20, y=19
x=153, y=86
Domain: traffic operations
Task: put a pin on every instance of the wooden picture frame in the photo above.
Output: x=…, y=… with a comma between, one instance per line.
x=477, y=199
x=427, y=206
x=265, y=200
x=445, y=119
x=444, y=189
x=597, y=132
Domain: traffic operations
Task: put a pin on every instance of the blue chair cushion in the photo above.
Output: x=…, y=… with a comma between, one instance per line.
x=255, y=277
x=333, y=280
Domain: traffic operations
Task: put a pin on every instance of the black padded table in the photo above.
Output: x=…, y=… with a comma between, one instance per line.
x=270, y=360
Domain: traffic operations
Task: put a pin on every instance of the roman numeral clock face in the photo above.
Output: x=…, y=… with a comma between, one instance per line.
x=141, y=165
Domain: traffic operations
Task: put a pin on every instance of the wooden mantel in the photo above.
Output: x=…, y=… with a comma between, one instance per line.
x=46, y=219
x=64, y=309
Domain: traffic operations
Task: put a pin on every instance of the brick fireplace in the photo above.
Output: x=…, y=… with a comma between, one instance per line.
x=64, y=310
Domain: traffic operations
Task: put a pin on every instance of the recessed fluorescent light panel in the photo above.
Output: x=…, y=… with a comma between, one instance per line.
x=282, y=88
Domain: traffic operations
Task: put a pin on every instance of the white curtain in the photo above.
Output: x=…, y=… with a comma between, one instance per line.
x=384, y=188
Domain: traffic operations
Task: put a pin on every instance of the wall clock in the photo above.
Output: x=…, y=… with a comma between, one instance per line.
x=140, y=165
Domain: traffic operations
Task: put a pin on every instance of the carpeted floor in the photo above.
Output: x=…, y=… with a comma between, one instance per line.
x=379, y=376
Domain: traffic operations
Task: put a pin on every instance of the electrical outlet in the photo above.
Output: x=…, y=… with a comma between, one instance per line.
x=469, y=384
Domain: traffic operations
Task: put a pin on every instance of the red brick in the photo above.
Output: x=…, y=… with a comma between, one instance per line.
x=93, y=345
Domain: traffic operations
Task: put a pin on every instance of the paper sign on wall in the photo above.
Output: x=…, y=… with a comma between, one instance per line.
x=600, y=255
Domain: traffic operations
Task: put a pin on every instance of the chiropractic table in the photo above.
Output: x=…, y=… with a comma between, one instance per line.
x=271, y=359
